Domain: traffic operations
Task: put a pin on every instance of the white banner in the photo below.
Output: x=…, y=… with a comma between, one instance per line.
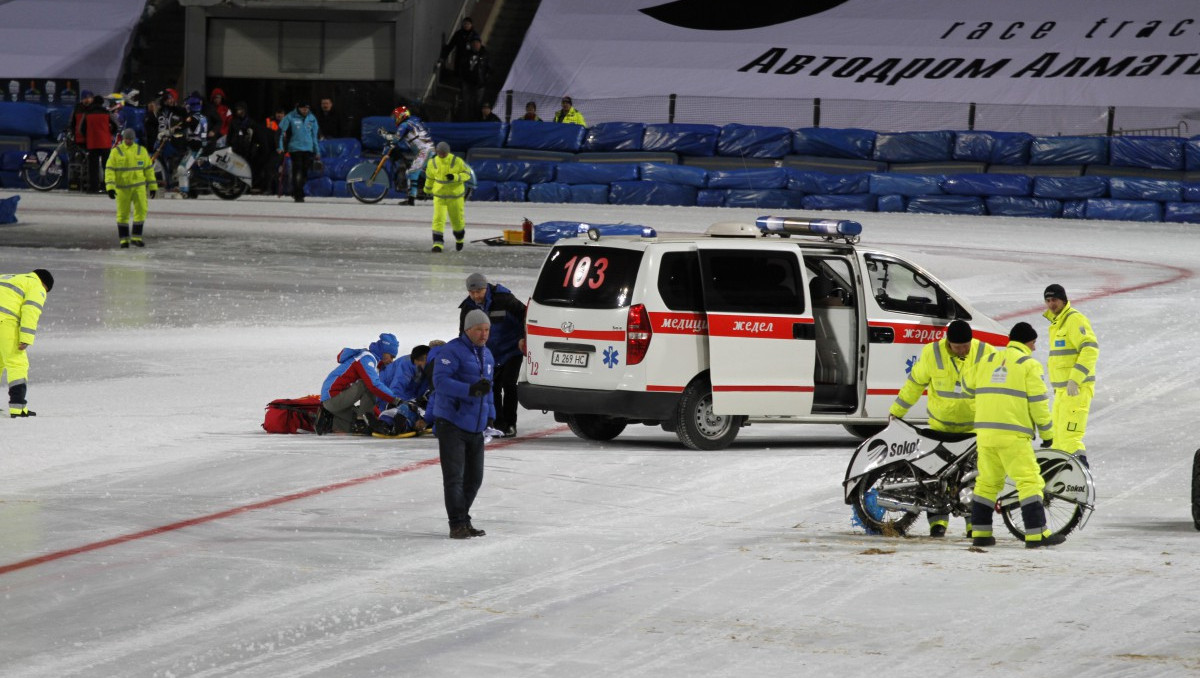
x=1044, y=52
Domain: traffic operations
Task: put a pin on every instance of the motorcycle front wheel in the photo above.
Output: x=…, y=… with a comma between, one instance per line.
x=365, y=184
x=43, y=180
x=228, y=189
x=1066, y=496
x=888, y=484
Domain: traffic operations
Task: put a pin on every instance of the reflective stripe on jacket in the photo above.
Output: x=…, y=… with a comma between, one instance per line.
x=436, y=183
x=572, y=116
x=1074, y=348
x=22, y=296
x=949, y=382
x=129, y=167
x=1010, y=395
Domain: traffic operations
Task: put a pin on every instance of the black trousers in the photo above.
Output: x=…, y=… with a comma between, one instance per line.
x=461, y=453
x=96, y=160
x=504, y=391
x=301, y=163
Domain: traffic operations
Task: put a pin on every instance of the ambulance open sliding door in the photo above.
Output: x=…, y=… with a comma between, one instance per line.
x=760, y=329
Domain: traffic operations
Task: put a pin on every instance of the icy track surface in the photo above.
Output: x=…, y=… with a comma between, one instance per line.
x=148, y=527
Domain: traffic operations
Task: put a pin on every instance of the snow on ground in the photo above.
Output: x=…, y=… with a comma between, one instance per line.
x=184, y=541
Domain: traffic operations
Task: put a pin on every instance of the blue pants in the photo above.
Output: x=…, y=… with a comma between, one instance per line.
x=461, y=453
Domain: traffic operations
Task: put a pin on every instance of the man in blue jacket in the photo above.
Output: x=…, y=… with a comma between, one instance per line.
x=298, y=134
x=507, y=343
x=349, y=393
x=461, y=409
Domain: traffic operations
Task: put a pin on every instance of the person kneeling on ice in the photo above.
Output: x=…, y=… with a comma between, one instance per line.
x=349, y=392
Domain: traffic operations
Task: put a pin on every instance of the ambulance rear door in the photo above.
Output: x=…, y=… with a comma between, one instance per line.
x=760, y=328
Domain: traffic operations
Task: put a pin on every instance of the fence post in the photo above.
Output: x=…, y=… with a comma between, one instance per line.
x=508, y=105
x=1111, y=114
x=817, y=112
x=671, y=108
x=971, y=117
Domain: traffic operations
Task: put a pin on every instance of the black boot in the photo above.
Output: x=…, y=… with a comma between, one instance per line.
x=324, y=422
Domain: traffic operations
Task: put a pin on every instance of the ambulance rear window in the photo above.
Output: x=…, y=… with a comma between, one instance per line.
x=588, y=277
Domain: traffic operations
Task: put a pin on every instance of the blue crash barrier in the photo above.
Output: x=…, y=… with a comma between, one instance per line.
x=550, y=192
x=988, y=184
x=370, y=126
x=710, y=197
x=650, y=193
x=546, y=137
x=1068, y=151
x=807, y=181
x=754, y=141
x=321, y=187
x=514, y=170
x=861, y=202
x=1123, y=210
x=340, y=148
x=1074, y=209
x=1015, y=206
x=1182, y=212
x=850, y=143
x=1164, y=153
x=993, y=148
x=8, y=209
x=595, y=194
x=1135, y=188
x=59, y=119
x=684, y=175
x=596, y=173
x=914, y=146
x=1070, y=188
x=463, y=136
x=684, y=139
x=511, y=191
x=1191, y=192
x=21, y=118
x=749, y=179
x=1191, y=154
x=770, y=198
x=485, y=191
x=906, y=184
x=614, y=136
x=890, y=203
x=946, y=204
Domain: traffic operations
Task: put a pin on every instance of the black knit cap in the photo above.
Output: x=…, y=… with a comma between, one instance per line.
x=1055, y=291
x=1022, y=332
x=46, y=278
x=958, y=332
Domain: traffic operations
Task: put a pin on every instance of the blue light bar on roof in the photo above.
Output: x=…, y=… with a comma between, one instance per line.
x=842, y=227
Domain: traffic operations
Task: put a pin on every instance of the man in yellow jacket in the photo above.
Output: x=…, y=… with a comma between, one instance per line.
x=128, y=176
x=444, y=177
x=1074, y=351
x=569, y=114
x=945, y=372
x=1011, y=405
x=22, y=297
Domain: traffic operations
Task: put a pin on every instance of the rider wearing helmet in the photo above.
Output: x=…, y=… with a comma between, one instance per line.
x=412, y=131
x=194, y=133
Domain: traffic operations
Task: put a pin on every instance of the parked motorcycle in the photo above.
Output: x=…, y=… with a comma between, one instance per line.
x=46, y=170
x=224, y=173
x=904, y=471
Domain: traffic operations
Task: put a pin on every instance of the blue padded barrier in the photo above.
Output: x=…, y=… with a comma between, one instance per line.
x=650, y=193
x=21, y=118
x=595, y=194
x=1013, y=206
x=321, y=187
x=1109, y=209
x=1191, y=192
x=1071, y=150
x=711, y=197
x=59, y=118
x=463, y=136
x=338, y=168
x=370, y=127
x=993, y=148
x=862, y=202
x=1038, y=170
x=905, y=184
x=340, y=189
x=552, y=191
x=627, y=156
x=512, y=191
x=812, y=163
x=542, y=137
x=1191, y=154
x=1163, y=153
x=339, y=148
x=1182, y=212
x=131, y=116
x=1070, y=188
x=1128, y=188
x=485, y=191
x=946, y=204
x=514, y=170
x=849, y=143
x=684, y=139
x=771, y=198
x=9, y=179
x=754, y=141
x=11, y=161
x=825, y=183
x=480, y=153
x=943, y=167
x=8, y=209
x=988, y=184
x=595, y=173
x=890, y=203
x=914, y=146
x=1074, y=209
x=749, y=179
x=614, y=136
x=696, y=177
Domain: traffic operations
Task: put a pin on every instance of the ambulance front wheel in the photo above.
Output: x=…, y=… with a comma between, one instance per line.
x=697, y=426
x=595, y=426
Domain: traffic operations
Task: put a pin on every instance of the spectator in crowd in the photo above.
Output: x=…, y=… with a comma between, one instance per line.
x=410, y=130
x=462, y=410
x=474, y=78
x=349, y=392
x=531, y=111
x=486, y=114
x=459, y=45
x=298, y=134
x=129, y=178
x=444, y=178
x=77, y=116
x=161, y=129
x=568, y=113
x=98, y=130
x=195, y=137
x=22, y=298
x=275, y=165
x=506, y=342
x=330, y=121
x=253, y=142
x=219, y=115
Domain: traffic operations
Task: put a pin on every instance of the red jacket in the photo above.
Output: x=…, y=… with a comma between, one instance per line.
x=99, y=128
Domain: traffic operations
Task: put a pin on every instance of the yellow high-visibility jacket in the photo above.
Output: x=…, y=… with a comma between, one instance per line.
x=949, y=382
x=1074, y=348
x=572, y=116
x=129, y=167
x=22, y=296
x=436, y=170
x=1010, y=395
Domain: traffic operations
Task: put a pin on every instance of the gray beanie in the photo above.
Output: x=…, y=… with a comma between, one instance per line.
x=475, y=317
x=476, y=281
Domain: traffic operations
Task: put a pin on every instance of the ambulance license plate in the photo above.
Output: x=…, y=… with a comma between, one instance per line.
x=569, y=359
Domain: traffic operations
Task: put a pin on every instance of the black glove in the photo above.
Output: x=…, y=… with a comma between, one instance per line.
x=450, y=176
x=153, y=194
x=480, y=387
x=112, y=194
x=422, y=402
x=1047, y=443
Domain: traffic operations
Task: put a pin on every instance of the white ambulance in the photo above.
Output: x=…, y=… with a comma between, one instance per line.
x=787, y=320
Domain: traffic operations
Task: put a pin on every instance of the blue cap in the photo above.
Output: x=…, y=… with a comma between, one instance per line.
x=387, y=344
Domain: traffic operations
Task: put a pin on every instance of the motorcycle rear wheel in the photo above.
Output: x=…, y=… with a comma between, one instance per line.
x=1064, y=497
x=365, y=185
x=51, y=179
x=227, y=189
x=885, y=521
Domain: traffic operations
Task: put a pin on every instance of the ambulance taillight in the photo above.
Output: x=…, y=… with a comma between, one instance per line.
x=638, y=334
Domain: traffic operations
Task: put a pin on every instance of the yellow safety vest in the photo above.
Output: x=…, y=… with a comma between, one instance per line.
x=22, y=296
x=129, y=167
x=949, y=382
x=1074, y=348
x=1010, y=395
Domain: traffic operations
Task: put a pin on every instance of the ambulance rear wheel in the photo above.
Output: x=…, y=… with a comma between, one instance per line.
x=595, y=426
x=863, y=431
x=697, y=426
